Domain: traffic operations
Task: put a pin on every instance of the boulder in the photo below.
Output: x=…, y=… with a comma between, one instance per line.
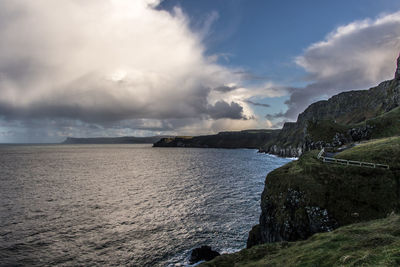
x=203, y=253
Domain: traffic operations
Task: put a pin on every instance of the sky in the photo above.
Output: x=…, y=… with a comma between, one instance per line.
x=182, y=67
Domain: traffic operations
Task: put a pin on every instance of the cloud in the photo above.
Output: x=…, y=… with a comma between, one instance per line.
x=106, y=61
x=257, y=104
x=354, y=56
x=226, y=88
x=222, y=109
x=275, y=115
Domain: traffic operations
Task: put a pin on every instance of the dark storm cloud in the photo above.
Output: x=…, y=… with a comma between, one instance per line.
x=83, y=100
x=222, y=109
x=55, y=69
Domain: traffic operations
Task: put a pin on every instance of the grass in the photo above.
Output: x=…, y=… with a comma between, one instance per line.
x=325, y=130
x=384, y=125
x=384, y=151
x=374, y=243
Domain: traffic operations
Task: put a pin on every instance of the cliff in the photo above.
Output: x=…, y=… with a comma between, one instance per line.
x=239, y=139
x=344, y=118
x=308, y=196
x=114, y=140
x=374, y=243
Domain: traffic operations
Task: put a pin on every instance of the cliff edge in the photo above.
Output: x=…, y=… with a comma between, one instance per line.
x=309, y=196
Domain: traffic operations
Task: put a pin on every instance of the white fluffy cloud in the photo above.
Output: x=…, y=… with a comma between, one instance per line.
x=354, y=56
x=106, y=61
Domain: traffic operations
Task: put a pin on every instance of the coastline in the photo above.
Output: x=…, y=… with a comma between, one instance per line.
x=324, y=197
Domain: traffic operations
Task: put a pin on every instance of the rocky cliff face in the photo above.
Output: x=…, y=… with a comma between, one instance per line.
x=307, y=196
x=343, y=118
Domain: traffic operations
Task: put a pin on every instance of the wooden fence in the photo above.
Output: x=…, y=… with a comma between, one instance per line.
x=350, y=162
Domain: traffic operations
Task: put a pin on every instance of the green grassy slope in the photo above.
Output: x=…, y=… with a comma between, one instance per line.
x=374, y=243
x=384, y=151
x=384, y=125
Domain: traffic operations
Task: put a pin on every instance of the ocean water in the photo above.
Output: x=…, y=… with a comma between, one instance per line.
x=125, y=205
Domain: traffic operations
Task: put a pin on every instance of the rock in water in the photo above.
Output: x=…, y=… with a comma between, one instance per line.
x=203, y=253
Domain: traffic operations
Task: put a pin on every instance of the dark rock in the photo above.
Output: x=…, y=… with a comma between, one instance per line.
x=254, y=236
x=297, y=219
x=203, y=253
x=397, y=74
x=361, y=133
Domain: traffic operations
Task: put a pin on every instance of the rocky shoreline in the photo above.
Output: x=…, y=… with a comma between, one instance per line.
x=306, y=196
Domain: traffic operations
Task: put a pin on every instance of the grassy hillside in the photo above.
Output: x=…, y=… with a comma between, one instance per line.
x=374, y=243
x=384, y=151
x=384, y=125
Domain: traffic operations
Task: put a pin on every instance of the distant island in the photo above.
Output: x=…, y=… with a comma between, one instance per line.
x=115, y=140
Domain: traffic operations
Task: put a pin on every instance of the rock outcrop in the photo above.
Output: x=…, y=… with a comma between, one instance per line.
x=203, y=253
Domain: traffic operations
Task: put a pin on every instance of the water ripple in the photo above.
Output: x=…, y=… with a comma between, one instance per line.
x=125, y=205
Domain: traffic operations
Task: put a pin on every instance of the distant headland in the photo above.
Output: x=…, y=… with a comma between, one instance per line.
x=115, y=140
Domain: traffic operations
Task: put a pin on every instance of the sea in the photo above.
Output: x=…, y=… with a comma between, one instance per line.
x=126, y=205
